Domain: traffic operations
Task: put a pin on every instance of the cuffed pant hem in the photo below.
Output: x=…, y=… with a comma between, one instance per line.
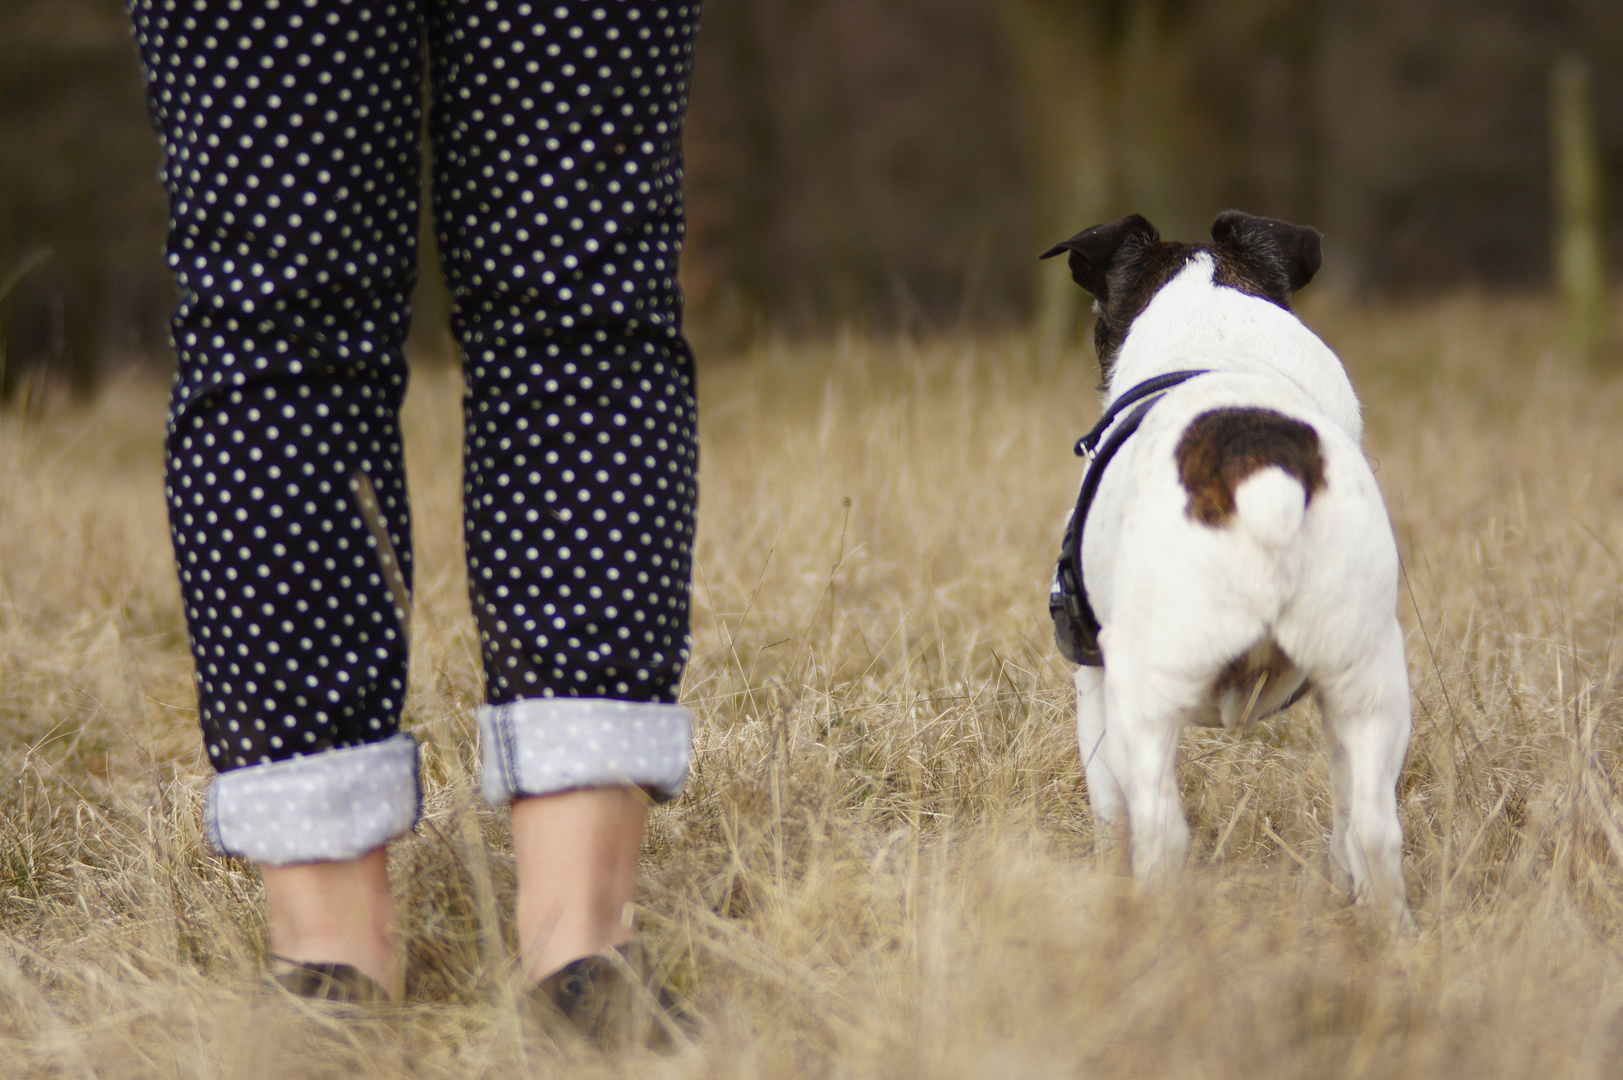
x=543, y=746
x=337, y=804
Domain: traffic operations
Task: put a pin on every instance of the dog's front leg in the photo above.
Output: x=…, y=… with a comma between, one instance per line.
x=1142, y=753
x=1366, y=733
x=1104, y=794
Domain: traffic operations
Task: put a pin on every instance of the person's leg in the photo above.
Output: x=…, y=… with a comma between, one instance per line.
x=577, y=872
x=557, y=137
x=336, y=912
x=291, y=141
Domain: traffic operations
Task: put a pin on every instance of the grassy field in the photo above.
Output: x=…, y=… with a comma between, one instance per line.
x=884, y=864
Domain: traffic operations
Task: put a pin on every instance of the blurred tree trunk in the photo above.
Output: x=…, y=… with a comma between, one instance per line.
x=77, y=157
x=1062, y=59
x=1102, y=85
x=1150, y=117
x=1580, y=268
x=728, y=263
x=1354, y=107
x=82, y=325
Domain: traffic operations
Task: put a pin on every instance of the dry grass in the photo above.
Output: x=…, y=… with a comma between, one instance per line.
x=884, y=864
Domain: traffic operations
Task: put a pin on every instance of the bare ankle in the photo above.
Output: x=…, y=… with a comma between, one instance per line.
x=577, y=874
x=336, y=912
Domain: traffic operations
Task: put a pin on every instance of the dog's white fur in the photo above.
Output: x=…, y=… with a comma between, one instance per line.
x=1179, y=600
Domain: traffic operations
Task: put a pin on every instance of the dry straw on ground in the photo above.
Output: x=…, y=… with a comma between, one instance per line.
x=884, y=864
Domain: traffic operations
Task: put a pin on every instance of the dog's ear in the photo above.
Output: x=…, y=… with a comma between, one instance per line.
x=1094, y=250
x=1281, y=257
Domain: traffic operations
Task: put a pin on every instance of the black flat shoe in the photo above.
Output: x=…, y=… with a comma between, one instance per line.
x=617, y=1002
x=344, y=984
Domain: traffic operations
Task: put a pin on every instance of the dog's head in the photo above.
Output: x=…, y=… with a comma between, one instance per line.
x=1125, y=263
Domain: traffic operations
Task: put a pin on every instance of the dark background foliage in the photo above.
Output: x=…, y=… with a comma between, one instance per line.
x=897, y=164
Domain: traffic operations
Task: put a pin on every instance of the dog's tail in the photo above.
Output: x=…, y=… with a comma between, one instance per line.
x=1256, y=465
x=1271, y=504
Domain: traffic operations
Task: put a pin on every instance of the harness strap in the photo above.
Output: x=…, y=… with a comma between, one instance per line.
x=1160, y=384
x=1076, y=628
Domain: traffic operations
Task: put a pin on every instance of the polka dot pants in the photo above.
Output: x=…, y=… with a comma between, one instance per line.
x=291, y=138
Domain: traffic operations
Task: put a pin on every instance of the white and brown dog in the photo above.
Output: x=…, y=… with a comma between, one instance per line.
x=1234, y=550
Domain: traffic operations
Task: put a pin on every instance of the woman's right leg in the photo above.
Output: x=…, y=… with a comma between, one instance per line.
x=290, y=134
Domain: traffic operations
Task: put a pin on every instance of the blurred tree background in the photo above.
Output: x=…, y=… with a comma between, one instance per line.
x=897, y=164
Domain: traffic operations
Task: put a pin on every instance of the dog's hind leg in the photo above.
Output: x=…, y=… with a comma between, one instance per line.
x=1141, y=751
x=1104, y=794
x=1366, y=734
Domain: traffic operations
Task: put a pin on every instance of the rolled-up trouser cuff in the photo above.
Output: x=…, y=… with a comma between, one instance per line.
x=542, y=746
x=338, y=804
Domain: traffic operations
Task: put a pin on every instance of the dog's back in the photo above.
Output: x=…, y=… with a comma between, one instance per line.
x=1211, y=538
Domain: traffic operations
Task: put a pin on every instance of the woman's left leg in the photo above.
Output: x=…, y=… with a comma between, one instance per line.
x=557, y=138
x=577, y=863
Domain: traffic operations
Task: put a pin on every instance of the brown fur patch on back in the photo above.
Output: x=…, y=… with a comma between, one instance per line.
x=1224, y=446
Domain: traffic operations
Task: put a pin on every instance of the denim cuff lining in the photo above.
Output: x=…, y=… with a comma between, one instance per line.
x=337, y=804
x=543, y=746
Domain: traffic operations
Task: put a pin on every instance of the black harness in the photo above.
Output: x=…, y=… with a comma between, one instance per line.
x=1076, y=628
